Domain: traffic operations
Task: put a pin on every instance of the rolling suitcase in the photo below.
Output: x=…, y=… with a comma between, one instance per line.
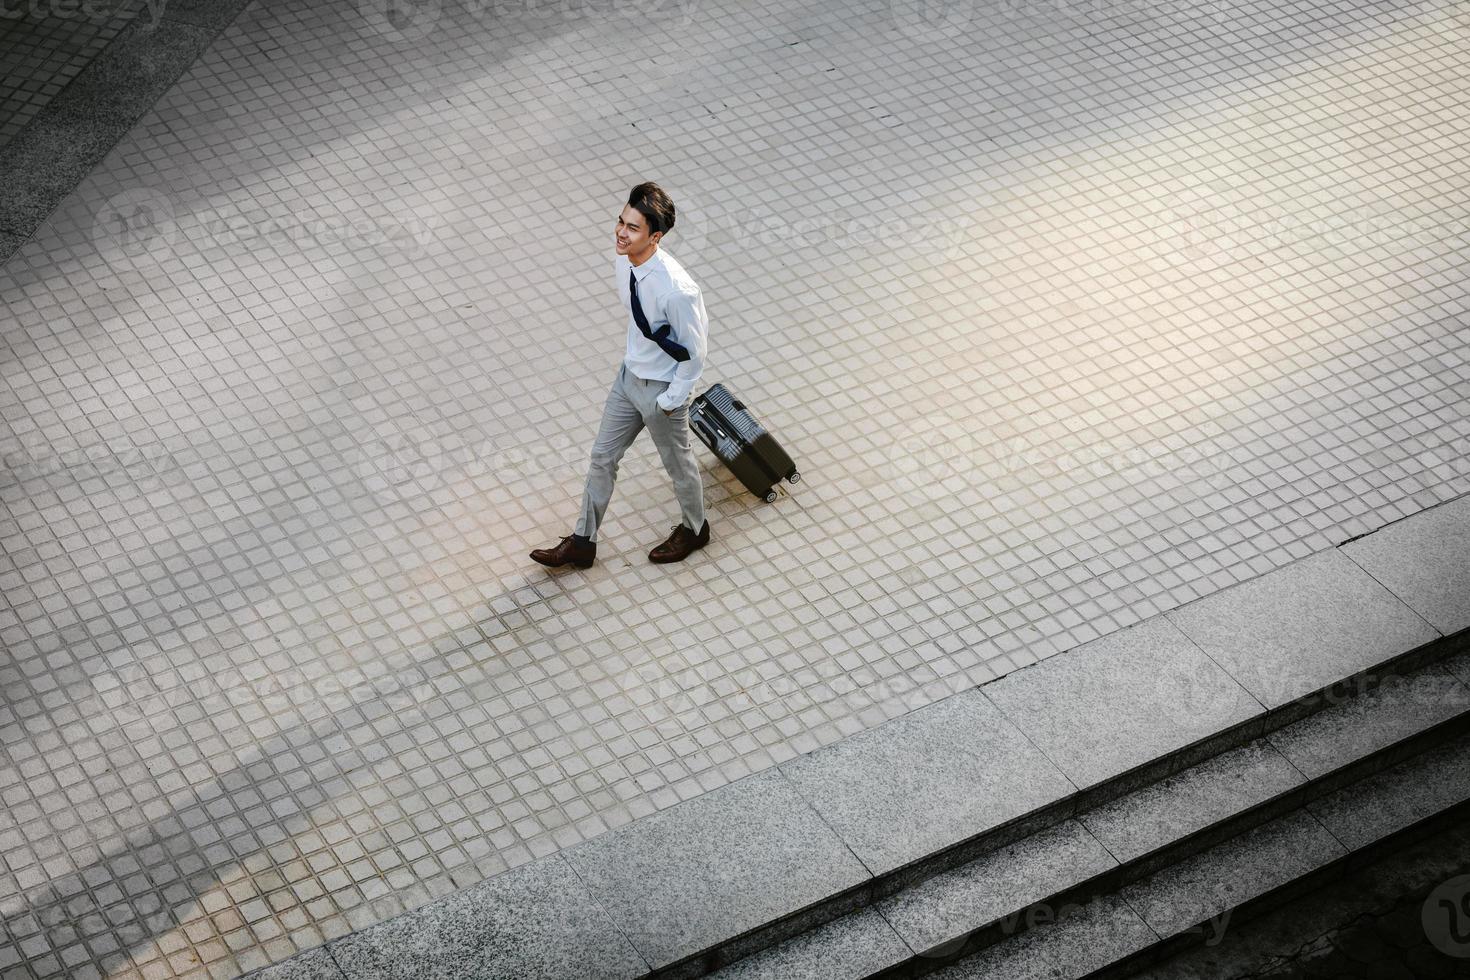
x=726, y=426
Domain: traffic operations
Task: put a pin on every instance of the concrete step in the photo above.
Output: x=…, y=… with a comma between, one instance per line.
x=1392, y=899
x=1118, y=935
x=1134, y=869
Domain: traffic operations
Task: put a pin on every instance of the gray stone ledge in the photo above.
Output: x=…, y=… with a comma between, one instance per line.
x=926, y=781
x=1302, y=627
x=1006, y=881
x=1217, y=880
x=1366, y=812
x=313, y=964
x=750, y=855
x=1159, y=814
x=535, y=922
x=1104, y=709
x=45, y=162
x=1400, y=707
x=132, y=72
x=1423, y=560
x=1082, y=939
x=859, y=944
x=10, y=243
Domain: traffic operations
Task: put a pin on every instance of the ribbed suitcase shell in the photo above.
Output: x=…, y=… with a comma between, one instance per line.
x=768, y=452
x=734, y=435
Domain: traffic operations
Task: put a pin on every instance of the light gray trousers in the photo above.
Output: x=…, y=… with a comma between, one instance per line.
x=632, y=404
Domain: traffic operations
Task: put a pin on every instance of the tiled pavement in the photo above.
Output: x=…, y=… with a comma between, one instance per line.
x=1070, y=312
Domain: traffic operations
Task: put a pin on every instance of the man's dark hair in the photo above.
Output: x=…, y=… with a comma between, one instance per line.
x=657, y=208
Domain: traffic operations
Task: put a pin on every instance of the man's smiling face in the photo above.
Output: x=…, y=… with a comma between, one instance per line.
x=631, y=236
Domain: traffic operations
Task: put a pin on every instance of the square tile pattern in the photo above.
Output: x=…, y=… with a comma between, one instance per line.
x=1070, y=314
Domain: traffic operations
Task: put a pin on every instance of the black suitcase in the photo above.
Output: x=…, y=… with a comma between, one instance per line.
x=726, y=426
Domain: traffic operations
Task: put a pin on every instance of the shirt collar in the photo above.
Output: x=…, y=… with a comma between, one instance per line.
x=642, y=271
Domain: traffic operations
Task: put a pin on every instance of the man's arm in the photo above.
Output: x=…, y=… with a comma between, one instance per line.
x=690, y=328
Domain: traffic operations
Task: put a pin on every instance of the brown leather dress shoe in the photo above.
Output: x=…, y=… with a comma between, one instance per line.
x=568, y=552
x=680, y=544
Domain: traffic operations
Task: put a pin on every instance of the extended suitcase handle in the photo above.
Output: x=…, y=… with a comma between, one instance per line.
x=704, y=430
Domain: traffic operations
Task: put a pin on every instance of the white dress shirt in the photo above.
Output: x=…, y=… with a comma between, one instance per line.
x=669, y=296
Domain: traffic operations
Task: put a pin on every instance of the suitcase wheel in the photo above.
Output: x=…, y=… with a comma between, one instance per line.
x=770, y=496
x=739, y=406
x=795, y=477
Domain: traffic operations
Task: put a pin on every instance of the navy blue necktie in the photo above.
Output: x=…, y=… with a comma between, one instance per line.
x=660, y=336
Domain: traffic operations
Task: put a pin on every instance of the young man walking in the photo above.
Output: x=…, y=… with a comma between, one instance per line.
x=668, y=332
